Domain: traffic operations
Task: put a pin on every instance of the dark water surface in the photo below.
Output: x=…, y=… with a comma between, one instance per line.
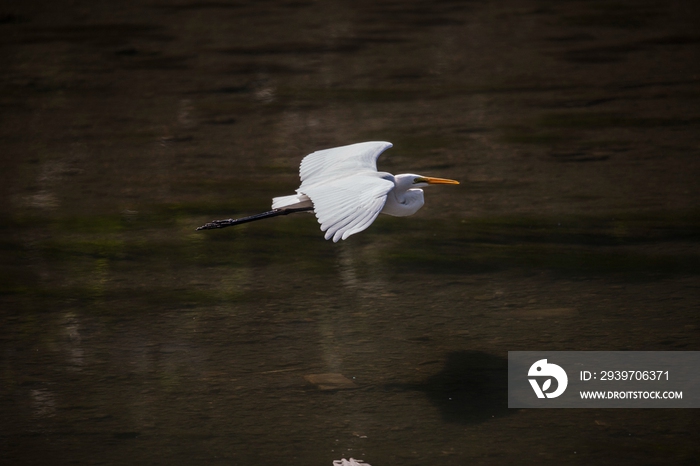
x=128, y=338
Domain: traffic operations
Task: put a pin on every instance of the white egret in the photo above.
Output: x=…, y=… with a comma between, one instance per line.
x=346, y=192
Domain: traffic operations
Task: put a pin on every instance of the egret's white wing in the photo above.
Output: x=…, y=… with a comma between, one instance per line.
x=327, y=164
x=347, y=205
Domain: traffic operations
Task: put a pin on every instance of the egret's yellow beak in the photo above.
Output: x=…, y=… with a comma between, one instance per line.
x=431, y=180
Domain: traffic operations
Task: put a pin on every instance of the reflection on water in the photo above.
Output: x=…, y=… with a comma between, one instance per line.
x=43, y=403
x=75, y=349
x=128, y=337
x=471, y=388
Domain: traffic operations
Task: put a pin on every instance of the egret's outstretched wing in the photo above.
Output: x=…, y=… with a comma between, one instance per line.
x=349, y=204
x=324, y=165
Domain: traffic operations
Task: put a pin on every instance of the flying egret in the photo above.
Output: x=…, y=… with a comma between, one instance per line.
x=346, y=192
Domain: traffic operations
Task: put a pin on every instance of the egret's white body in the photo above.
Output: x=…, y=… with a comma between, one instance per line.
x=347, y=193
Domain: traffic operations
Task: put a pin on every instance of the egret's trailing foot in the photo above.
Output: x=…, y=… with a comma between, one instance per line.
x=237, y=221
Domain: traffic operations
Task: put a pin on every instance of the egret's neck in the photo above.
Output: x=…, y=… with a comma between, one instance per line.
x=403, y=200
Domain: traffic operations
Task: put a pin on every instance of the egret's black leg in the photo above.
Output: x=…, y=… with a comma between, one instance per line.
x=237, y=221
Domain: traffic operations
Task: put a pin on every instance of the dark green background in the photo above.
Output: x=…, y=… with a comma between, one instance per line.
x=128, y=338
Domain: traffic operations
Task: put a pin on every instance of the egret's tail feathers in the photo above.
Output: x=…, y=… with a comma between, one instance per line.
x=294, y=201
x=237, y=221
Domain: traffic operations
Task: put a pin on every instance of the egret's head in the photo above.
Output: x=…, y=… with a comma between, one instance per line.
x=421, y=181
x=406, y=181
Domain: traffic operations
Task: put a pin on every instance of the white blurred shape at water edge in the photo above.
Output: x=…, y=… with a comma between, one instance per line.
x=350, y=462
